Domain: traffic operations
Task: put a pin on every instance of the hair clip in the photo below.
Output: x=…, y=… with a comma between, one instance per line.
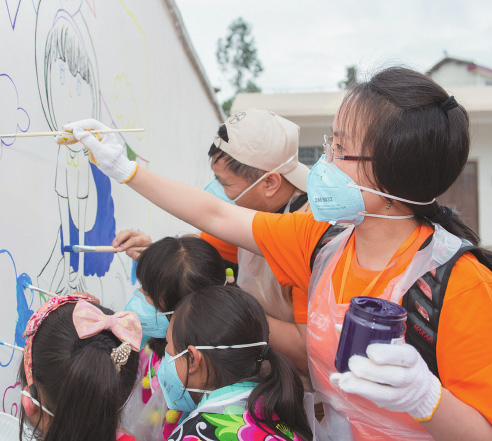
x=229, y=276
x=120, y=354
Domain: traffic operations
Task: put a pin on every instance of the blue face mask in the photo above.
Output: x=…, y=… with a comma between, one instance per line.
x=330, y=196
x=175, y=394
x=335, y=197
x=154, y=323
x=217, y=189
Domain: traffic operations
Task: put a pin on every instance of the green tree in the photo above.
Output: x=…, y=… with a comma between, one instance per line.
x=351, y=78
x=238, y=60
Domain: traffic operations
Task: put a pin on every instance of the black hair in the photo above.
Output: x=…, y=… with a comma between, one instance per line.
x=251, y=174
x=173, y=267
x=77, y=379
x=419, y=148
x=227, y=315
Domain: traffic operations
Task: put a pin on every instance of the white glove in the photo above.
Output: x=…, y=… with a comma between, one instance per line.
x=107, y=154
x=394, y=377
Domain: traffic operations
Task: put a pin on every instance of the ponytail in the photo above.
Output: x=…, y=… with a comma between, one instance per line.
x=448, y=219
x=88, y=403
x=278, y=397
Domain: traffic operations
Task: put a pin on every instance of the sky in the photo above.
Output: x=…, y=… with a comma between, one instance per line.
x=306, y=46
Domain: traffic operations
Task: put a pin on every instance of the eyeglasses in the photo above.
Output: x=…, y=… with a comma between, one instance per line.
x=330, y=152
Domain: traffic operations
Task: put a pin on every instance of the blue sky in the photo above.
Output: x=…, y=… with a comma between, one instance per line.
x=306, y=46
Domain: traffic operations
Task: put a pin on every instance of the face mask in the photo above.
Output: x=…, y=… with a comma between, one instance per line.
x=176, y=395
x=335, y=197
x=154, y=323
x=217, y=189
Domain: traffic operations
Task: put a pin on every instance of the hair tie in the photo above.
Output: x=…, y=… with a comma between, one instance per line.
x=449, y=104
x=264, y=353
x=443, y=216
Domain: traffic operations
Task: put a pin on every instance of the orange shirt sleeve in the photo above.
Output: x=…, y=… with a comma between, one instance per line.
x=227, y=250
x=464, y=343
x=287, y=242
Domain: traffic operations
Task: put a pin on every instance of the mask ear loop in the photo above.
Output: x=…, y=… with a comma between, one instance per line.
x=36, y=402
x=264, y=176
x=380, y=193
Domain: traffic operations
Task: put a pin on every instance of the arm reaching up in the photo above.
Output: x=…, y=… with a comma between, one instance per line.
x=190, y=204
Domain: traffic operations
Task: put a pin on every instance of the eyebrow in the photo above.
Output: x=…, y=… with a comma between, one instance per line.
x=340, y=133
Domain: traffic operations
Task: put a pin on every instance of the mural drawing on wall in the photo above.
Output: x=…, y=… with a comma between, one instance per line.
x=68, y=84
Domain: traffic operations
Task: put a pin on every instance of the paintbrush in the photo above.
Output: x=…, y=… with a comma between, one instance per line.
x=17, y=348
x=35, y=288
x=98, y=249
x=64, y=132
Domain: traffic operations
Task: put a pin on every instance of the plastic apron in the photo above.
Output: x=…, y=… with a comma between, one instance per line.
x=256, y=278
x=349, y=416
x=145, y=418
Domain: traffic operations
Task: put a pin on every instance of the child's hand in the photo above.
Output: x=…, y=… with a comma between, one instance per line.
x=394, y=377
x=104, y=150
x=130, y=238
x=96, y=300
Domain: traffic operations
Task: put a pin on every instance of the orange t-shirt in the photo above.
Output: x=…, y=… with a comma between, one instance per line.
x=464, y=346
x=227, y=250
x=299, y=294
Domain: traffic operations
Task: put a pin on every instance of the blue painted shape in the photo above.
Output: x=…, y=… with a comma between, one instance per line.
x=103, y=232
x=23, y=309
x=133, y=277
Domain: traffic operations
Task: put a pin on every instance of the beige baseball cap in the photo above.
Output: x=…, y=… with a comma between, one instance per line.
x=262, y=139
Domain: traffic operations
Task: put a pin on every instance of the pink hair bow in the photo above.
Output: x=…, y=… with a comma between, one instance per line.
x=90, y=320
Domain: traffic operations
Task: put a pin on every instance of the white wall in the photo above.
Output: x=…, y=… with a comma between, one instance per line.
x=481, y=141
x=141, y=77
x=457, y=75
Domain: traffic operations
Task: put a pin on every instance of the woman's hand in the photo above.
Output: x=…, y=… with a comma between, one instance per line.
x=394, y=377
x=104, y=150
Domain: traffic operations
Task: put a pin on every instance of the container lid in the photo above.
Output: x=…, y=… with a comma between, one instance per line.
x=378, y=308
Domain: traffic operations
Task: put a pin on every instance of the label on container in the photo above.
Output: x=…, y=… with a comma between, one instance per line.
x=397, y=341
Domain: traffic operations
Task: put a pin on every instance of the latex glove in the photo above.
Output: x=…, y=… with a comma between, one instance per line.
x=107, y=154
x=394, y=377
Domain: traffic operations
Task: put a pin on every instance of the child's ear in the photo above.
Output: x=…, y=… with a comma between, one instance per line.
x=196, y=360
x=29, y=407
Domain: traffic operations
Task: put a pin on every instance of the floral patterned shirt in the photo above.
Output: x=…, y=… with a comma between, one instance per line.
x=234, y=423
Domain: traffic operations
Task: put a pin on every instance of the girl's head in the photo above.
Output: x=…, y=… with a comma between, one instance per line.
x=417, y=137
x=173, y=267
x=75, y=379
x=228, y=316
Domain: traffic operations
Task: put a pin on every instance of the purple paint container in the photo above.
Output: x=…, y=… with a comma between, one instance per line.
x=369, y=320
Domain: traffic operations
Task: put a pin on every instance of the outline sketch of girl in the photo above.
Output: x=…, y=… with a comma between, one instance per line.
x=68, y=86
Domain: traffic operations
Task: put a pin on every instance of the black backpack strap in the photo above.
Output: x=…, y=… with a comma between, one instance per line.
x=328, y=235
x=424, y=310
